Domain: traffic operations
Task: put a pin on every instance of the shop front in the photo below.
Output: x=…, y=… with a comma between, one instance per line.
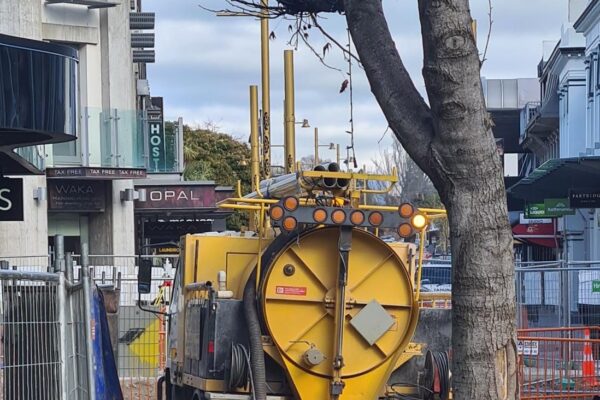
x=165, y=211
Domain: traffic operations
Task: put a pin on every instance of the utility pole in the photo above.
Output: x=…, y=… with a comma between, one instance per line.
x=290, y=118
x=266, y=91
x=316, y=146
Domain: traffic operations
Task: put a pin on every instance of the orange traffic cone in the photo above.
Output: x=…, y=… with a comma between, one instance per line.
x=588, y=367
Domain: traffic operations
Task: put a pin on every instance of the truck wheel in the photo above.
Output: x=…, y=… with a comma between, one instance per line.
x=180, y=393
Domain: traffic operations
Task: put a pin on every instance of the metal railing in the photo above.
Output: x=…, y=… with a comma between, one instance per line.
x=45, y=329
x=558, y=363
x=558, y=294
x=141, y=351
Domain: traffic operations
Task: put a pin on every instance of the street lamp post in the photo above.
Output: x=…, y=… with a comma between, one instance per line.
x=330, y=146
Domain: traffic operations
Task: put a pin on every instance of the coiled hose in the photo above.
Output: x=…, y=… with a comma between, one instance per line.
x=257, y=355
x=437, y=364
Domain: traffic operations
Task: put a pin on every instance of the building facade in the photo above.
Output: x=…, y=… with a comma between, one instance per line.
x=102, y=188
x=84, y=182
x=561, y=183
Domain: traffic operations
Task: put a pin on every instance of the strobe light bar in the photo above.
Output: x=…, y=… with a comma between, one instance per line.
x=288, y=215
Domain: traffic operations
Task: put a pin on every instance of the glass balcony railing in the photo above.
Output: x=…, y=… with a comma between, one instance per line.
x=34, y=155
x=115, y=138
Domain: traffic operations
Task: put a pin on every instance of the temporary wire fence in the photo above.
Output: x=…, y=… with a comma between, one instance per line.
x=141, y=331
x=558, y=294
x=45, y=324
x=30, y=353
x=436, y=284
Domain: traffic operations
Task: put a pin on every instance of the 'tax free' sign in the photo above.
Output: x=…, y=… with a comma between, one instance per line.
x=11, y=199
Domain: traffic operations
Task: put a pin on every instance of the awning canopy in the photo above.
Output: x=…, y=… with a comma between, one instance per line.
x=554, y=178
x=537, y=234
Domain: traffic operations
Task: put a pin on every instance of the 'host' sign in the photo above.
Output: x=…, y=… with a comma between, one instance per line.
x=157, y=145
x=11, y=199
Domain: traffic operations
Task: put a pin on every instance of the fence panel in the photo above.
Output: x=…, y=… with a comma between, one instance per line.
x=558, y=294
x=30, y=333
x=142, y=334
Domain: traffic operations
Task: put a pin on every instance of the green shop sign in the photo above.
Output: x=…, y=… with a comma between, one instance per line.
x=595, y=286
x=550, y=208
x=558, y=207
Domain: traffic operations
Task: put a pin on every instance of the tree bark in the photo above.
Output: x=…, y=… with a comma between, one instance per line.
x=453, y=143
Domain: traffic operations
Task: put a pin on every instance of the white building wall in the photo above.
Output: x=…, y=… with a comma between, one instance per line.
x=113, y=87
x=590, y=28
x=123, y=242
x=21, y=18
x=572, y=110
x=29, y=237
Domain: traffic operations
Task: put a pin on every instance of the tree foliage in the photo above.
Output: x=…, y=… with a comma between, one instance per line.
x=212, y=155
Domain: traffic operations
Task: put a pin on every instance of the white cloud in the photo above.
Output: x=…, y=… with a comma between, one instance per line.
x=205, y=65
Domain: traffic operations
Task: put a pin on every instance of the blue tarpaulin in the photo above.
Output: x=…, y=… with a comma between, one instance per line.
x=107, y=377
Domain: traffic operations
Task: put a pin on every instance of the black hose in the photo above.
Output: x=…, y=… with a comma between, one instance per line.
x=159, y=387
x=443, y=366
x=257, y=355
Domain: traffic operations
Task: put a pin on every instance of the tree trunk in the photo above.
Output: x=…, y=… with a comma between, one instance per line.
x=453, y=143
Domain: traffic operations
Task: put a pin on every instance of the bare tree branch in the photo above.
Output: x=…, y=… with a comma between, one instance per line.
x=334, y=41
x=319, y=56
x=489, y=34
x=405, y=110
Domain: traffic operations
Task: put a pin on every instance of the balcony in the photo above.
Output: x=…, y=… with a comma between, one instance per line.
x=528, y=114
x=115, y=138
x=91, y=4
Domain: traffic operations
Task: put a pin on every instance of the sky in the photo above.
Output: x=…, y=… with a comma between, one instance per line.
x=204, y=65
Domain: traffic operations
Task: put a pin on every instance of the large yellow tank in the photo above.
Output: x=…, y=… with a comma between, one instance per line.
x=298, y=300
x=313, y=306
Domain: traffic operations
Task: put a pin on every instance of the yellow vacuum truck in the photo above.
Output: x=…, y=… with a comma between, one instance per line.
x=310, y=304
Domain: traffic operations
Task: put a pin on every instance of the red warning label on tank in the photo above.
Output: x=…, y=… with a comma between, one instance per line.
x=291, y=290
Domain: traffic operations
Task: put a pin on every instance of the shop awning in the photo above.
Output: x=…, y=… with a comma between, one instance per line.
x=536, y=234
x=556, y=177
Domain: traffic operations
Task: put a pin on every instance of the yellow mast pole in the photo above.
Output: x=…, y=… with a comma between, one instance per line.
x=316, y=146
x=290, y=118
x=254, y=149
x=266, y=91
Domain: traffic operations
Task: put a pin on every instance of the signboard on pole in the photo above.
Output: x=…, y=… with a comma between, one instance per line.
x=156, y=135
x=11, y=199
x=550, y=208
x=558, y=207
x=534, y=211
x=584, y=198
